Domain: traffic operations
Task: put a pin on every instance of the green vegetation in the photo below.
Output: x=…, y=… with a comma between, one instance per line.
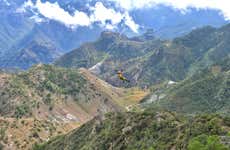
x=147, y=62
x=22, y=110
x=204, y=142
x=197, y=94
x=205, y=92
x=41, y=82
x=2, y=133
x=60, y=81
x=46, y=87
x=146, y=130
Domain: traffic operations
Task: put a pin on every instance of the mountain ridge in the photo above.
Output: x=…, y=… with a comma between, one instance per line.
x=154, y=60
x=46, y=101
x=19, y=25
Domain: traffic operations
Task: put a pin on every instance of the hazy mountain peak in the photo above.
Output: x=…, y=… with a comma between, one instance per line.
x=111, y=36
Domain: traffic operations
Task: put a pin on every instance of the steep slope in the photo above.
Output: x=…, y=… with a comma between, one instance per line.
x=209, y=46
x=112, y=51
x=13, y=26
x=146, y=61
x=46, y=101
x=47, y=86
x=108, y=45
x=21, y=134
x=20, y=25
x=34, y=53
x=207, y=91
x=147, y=130
x=204, y=93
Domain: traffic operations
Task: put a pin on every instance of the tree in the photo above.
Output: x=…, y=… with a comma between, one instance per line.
x=204, y=142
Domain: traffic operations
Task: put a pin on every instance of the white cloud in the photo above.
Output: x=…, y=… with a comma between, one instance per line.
x=106, y=17
x=110, y=18
x=37, y=19
x=130, y=23
x=102, y=14
x=221, y=5
x=55, y=12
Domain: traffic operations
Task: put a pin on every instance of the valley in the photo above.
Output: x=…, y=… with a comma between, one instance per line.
x=114, y=75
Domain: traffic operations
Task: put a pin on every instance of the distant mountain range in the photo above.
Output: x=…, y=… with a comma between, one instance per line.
x=19, y=28
x=34, y=53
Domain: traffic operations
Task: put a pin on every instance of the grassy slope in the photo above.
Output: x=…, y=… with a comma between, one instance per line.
x=147, y=130
x=207, y=91
x=163, y=130
x=65, y=98
x=21, y=134
x=45, y=89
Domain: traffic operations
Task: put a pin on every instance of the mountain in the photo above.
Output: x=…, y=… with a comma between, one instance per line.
x=34, y=53
x=205, y=92
x=106, y=46
x=20, y=26
x=147, y=60
x=21, y=134
x=61, y=38
x=169, y=23
x=110, y=52
x=177, y=97
x=13, y=28
x=46, y=101
x=146, y=130
x=111, y=55
x=53, y=88
x=202, y=105
x=19, y=31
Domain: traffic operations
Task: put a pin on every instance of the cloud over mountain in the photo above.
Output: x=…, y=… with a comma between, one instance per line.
x=110, y=17
x=221, y=5
x=106, y=17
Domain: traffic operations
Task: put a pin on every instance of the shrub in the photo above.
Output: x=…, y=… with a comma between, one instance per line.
x=204, y=142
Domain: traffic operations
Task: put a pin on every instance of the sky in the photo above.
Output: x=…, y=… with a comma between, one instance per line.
x=110, y=18
x=222, y=5
x=106, y=17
